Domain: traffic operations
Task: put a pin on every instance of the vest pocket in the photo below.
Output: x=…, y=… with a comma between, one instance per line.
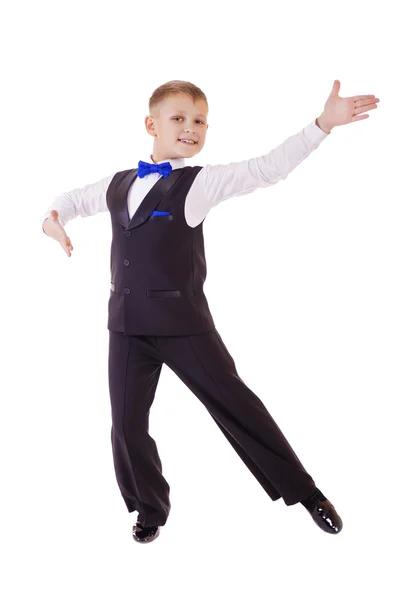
x=163, y=293
x=162, y=217
x=168, y=293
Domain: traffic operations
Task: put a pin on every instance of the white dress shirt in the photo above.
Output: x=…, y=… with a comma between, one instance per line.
x=212, y=185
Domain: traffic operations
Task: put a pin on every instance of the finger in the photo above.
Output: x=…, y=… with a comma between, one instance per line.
x=367, y=102
x=355, y=98
x=362, y=109
x=360, y=118
x=66, y=249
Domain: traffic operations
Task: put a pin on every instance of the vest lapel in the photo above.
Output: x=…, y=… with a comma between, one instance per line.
x=149, y=202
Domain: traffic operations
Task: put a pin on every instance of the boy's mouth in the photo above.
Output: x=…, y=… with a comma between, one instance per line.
x=188, y=142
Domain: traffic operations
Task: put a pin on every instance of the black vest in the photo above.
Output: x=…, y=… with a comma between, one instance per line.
x=158, y=266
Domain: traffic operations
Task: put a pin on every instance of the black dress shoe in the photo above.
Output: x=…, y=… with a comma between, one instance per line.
x=144, y=534
x=323, y=512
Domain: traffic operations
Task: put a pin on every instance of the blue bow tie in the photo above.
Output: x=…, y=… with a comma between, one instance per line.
x=145, y=168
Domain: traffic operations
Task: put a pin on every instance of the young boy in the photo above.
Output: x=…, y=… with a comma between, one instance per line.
x=157, y=310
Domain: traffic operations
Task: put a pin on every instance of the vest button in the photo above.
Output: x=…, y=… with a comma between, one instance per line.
x=126, y=262
x=127, y=291
x=127, y=233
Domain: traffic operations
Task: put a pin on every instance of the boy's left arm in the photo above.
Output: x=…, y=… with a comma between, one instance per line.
x=216, y=183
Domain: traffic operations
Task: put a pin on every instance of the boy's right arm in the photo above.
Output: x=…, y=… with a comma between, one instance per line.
x=84, y=201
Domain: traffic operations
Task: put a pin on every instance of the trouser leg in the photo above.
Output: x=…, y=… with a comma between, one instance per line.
x=204, y=364
x=134, y=370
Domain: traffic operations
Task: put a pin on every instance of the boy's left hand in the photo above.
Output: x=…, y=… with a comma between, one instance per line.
x=340, y=111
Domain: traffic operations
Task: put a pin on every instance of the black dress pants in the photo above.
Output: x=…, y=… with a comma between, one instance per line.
x=204, y=364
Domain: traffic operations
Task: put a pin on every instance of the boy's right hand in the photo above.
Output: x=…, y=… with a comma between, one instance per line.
x=53, y=228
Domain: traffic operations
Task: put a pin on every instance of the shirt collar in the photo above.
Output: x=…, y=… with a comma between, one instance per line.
x=176, y=163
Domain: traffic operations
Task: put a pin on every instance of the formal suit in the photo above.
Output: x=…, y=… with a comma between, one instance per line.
x=158, y=313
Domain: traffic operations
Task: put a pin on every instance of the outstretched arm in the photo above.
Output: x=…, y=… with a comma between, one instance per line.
x=216, y=183
x=84, y=201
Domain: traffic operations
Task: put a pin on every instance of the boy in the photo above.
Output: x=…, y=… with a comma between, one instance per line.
x=157, y=309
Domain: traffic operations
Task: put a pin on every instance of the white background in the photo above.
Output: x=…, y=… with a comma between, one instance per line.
x=303, y=284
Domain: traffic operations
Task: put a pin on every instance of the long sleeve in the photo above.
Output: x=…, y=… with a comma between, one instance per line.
x=216, y=183
x=84, y=201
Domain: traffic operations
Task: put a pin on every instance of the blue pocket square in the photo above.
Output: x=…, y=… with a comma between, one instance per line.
x=159, y=213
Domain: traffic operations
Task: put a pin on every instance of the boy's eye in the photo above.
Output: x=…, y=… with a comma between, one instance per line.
x=198, y=120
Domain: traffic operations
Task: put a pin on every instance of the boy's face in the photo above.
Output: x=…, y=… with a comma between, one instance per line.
x=176, y=118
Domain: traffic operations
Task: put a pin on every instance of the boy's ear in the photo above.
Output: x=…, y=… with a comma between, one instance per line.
x=149, y=124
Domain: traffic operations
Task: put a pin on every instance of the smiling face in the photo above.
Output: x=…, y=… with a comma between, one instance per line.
x=176, y=118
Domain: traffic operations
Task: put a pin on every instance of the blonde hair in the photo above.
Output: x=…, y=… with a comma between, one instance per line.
x=174, y=87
